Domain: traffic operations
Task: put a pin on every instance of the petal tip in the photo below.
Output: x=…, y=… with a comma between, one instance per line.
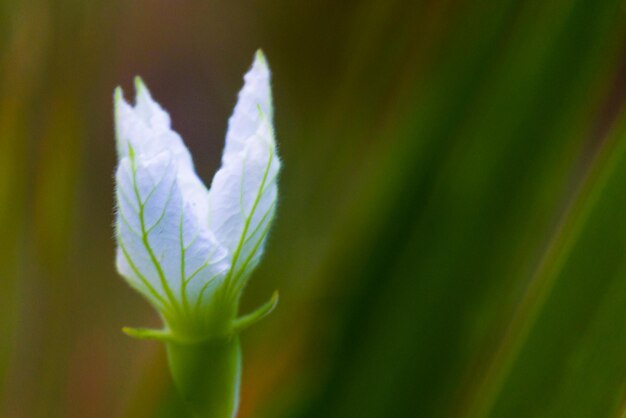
x=143, y=97
x=259, y=56
x=118, y=94
x=140, y=86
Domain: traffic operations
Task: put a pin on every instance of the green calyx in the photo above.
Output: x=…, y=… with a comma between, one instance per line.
x=223, y=328
x=206, y=364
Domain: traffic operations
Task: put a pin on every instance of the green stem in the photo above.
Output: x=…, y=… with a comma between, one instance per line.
x=208, y=375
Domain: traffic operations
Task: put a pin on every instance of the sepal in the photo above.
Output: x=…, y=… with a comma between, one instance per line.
x=150, y=334
x=255, y=316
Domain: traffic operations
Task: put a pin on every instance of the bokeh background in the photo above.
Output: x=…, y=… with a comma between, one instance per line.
x=451, y=236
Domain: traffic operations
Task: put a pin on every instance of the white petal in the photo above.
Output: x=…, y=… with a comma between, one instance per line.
x=256, y=94
x=242, y=198
x=146, y=129
x=163, y=251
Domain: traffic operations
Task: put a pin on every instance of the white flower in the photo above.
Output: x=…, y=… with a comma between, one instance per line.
x=188, y=249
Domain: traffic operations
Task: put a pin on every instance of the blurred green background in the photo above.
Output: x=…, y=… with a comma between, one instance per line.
x=451, y=236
